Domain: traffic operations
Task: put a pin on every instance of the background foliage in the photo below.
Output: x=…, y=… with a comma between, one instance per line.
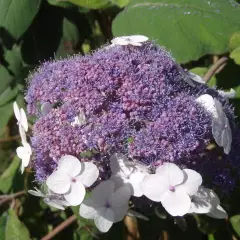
x=197, y=32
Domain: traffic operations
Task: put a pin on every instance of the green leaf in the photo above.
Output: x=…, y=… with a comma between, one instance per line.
x=14, y=60
x=188, y=28
x=93, y=4
x=201, y=71
x=15, y=230
x=235, y=55
x=235, y=221
x=63, y=4
x=3, y=221
x=9, y=94
x=6, y=113
x=234, y=41
x=120, y=3
x=17, y=16
x=5, y=78
x=7, y=178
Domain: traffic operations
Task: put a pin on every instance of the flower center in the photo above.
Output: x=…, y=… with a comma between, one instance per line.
x=107, y=205
x=172, y=188
x=73, y=180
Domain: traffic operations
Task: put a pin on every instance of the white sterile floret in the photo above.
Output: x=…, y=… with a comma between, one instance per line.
x=230, y=94
x=205, y=201
x=125, y=172
x=195, y=77
x=80, y=119
x=221, y=129
x=172, y=187
x=71, y=178
x=50, y=199
x=135, y=40
x=24, y=153
x=46, y=108
x=106, y=205
x=20, y=116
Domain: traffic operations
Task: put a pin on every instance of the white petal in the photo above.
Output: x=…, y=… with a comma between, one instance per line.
x=59, y=182
x=22, y=134
x=154, y=186
x=46, y=108
x=138, y=38
x=208, y=103
x=70, y=165
x=120, y=197
x=87, y=209
x=135, y=180
x=204, y=200
x=119, y=41
x=217, y=131
x=104, y=219
x=23, y=120
x=191, y=183
x=172, y=172
x=89, y=174
x=230, y=94
x=36, y=193
x=76, y=194
x=117, y=163
x=218, y=213
x=53, y=203
x=227, y=137
x=196, y=78
x=176, y=203
x=16, y=111
x=102, y=191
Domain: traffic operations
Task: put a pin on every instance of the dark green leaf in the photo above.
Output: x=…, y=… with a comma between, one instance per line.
x=235, y=221
x=3, y=221
x=6, y=113
x=15, y=230
x=7, y=178
x=188, y=28
x=5, y=78
x=16, y=16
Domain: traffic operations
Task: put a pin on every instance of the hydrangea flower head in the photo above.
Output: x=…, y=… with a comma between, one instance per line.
x=130, y=102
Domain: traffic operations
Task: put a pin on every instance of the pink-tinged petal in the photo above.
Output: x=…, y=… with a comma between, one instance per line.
x=176, y=203
x=104, y=219
x=173, y=174
x=23, y=120
x=16, y=111
x=101, y=192
x=120, y=197
x=154, y=186
x=70, y=165
x=192, y=182
x=59, y=182
x=87, y=209
x=89, y=174
x=76, y=194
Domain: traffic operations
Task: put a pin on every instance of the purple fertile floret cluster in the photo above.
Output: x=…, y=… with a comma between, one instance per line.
x=136, y=102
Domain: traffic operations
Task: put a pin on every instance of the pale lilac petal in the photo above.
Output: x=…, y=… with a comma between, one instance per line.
x=59, y=182
x=102, y=191
x=176, y=203
x=120, y=212
x=192, y=182
x=117, y=163
x=87, y=209
x=104, y=219
x=76, y=194
x=173, y=174
x=70, y=165
x=120, y=197
x=53, y=203
x=196, y=78
x=46, y=108
x=154, y=186
x=89, y=174
x=218, y=213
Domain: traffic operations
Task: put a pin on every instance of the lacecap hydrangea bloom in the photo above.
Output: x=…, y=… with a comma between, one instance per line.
x=142, y=122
